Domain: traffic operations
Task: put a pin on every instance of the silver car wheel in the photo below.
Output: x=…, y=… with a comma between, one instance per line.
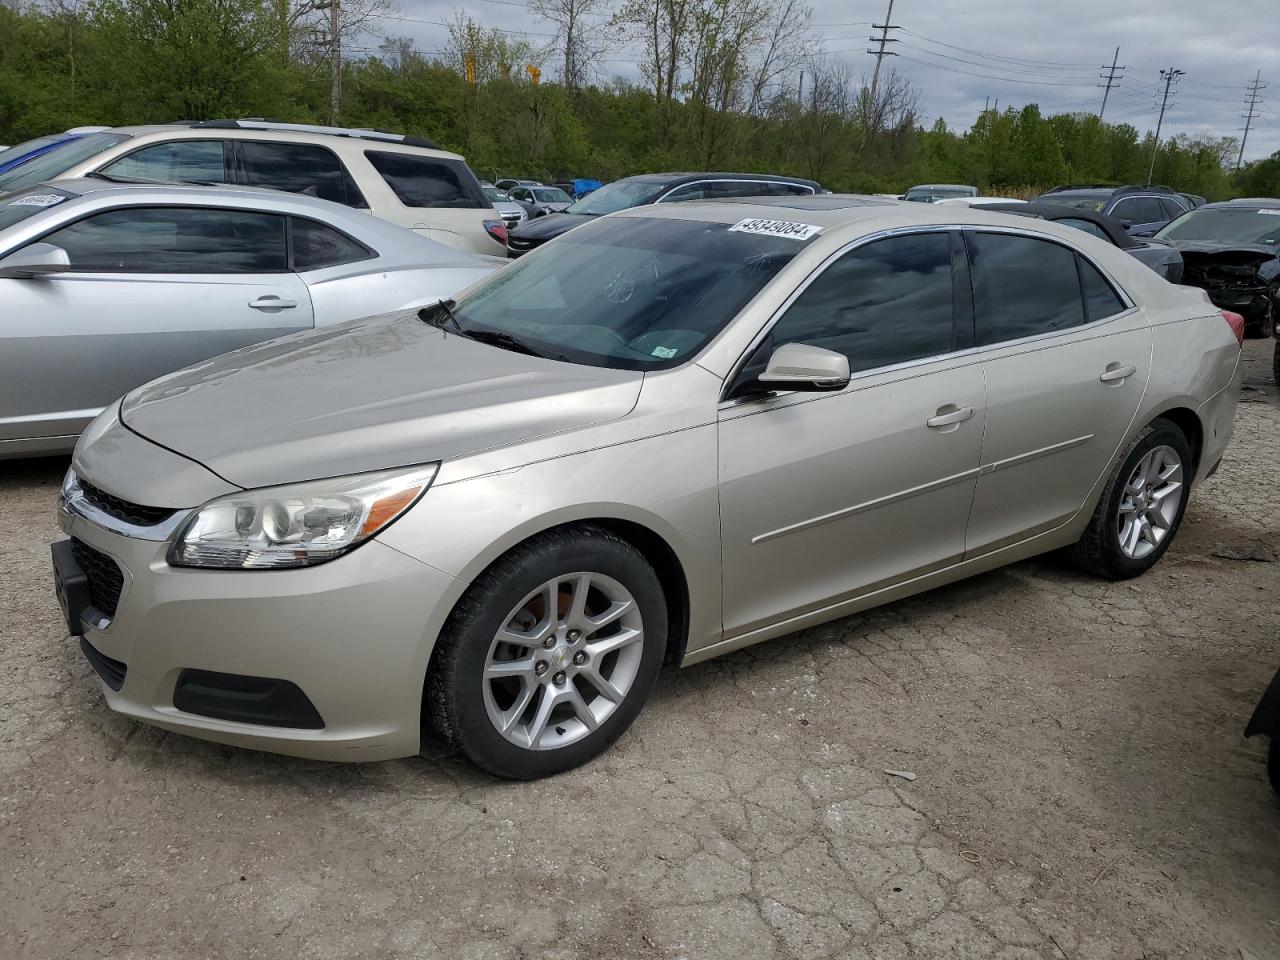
x=1149, y=502
x=563, y=660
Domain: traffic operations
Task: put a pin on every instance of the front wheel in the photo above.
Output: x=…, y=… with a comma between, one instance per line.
x=1141, y=507
x=550, y=654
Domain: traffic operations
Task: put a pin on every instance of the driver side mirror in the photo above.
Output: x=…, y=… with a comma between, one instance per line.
x=35, y=260
x=803, y=367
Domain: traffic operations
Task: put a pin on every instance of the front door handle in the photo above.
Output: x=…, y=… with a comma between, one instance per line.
x=949, y=415
x=270, y=302
x=1116, y=372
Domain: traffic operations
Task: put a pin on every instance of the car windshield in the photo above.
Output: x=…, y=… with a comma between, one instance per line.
x=1259, y=225
x=22, y=204
x=494, y=194
x=932, y=194
x=10, y=154
x=59, y=160
x=631, y=293
x=551, y=195
x=1079, y=203
x=619, y=195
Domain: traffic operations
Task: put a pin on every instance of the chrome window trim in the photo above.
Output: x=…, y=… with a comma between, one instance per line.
x=694, y=183
x=73, y=502
x=821, y=268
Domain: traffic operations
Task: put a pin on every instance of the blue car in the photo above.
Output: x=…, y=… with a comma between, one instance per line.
x=21, y=153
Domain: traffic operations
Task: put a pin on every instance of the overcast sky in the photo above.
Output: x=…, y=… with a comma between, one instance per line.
x=960, y=52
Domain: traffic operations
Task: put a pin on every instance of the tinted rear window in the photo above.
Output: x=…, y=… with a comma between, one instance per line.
x=299, y=168
x=1022, y=287
x=428, y=181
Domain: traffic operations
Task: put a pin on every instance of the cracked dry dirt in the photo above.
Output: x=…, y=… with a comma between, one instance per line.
x=1083, y=789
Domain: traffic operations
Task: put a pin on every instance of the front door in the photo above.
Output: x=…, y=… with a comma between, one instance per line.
x=150, y=290
x=827, y=496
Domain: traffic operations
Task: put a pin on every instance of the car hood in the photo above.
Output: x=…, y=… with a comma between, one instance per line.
x=368, y=395
x=1241, y=252
x=551, y=226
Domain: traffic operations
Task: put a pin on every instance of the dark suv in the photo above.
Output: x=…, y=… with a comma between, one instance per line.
x=653, y=188
x=1143, y=210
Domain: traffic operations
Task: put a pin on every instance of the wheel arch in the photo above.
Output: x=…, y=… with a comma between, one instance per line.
x=1188, y=421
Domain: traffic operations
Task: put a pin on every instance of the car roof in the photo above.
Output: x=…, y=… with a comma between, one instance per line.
x=1264, y=203
x=673, y=179
x=281, y=134
x=942, y=186
x=827, y=210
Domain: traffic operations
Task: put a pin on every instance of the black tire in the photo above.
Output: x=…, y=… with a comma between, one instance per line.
x=453, y=704
x=1098, y=549
x=1273, y=764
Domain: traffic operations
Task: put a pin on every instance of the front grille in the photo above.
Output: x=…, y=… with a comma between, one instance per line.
x=113, y=506
x=513, y=219
x=105, y=579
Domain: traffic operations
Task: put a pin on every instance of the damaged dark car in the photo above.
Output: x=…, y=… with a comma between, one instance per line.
x=1231, y=251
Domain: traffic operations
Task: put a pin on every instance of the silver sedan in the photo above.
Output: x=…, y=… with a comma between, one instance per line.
x=664, y=436
x=106, y=285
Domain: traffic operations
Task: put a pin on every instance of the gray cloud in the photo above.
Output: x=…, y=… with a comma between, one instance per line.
x=959, y=53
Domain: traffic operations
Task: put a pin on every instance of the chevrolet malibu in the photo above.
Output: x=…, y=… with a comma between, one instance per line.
x=672, y=433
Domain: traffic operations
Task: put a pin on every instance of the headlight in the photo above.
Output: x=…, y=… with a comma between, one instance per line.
x=297, y=525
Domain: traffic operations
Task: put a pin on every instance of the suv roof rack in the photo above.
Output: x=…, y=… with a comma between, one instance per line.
x=360, y=133
x=1082, y=186
x=1143, y=188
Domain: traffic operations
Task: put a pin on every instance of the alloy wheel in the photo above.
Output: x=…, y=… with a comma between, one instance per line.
x=1150, y=502
x=563, y=660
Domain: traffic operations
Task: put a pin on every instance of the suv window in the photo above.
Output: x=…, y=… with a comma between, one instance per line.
x=778, y=189
x=177, y=160
x=690, y=191
x=298, y=168
x=884, y=303
x=428, y=181
x=1022, y=286
x=316, y=245
x=1127, y=209
x=175, y=240
x=1171, y=208
x=1100, y=298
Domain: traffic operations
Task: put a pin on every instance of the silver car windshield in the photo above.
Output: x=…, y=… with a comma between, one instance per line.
x=632, y=293
x=21, y=205
x=49, y=166
x=619, y=195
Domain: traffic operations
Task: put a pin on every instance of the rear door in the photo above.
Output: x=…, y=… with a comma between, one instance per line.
x=1066, y=361
x=151, y=289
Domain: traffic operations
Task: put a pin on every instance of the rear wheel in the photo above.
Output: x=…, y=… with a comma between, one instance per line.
x=550, y=654
x=1142, y=506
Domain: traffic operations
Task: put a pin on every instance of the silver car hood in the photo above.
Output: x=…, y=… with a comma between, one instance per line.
x=368, y=395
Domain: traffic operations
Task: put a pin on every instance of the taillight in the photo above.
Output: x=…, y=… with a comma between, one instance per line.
x=497, y=229
x=1236, y=323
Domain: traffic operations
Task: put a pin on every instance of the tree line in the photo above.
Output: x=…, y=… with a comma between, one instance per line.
x=722, y=84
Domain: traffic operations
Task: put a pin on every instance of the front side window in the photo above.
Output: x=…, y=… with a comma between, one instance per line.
x=520, y=193
x=551, y=195
x=1022, y=287
x=54, y=163
x=690, y=191
x=1149, y=210
x=299, y=168
x=634, y=293
x=316, y=245
x=420, y=181
x=192, y=161
x=175, y=240
x=884, y=303
x=1127, y=210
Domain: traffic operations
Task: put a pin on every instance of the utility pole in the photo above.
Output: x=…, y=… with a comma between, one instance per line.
x=335, y=62
x=1112, y=81
x=1169, y=76
x=880, y=54
x=1249, y=117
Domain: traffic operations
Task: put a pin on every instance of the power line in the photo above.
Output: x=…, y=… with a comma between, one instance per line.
x=1031, y=71
x=1111, y=81
x=986, y=55
x=990, y=76
x=1249, y=117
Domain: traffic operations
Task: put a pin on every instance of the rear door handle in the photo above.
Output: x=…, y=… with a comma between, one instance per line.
x=272, y=303
x=1116, y=372
x=948, y=416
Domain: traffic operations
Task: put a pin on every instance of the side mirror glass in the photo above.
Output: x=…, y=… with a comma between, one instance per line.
x=800, y=366
x=35, y=260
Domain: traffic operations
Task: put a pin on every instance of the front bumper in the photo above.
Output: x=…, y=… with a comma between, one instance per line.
x=354, y=635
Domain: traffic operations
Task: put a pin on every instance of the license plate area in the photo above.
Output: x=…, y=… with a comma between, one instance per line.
x=71, y=586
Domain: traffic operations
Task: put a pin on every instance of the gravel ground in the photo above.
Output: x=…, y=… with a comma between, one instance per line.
x=1083, y=790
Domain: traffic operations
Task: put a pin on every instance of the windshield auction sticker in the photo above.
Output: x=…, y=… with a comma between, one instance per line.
x=777, y=228
x=37, y=200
